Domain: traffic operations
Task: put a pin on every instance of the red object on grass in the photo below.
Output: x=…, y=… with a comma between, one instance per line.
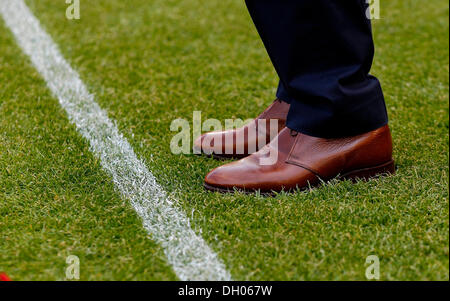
x=4, y=277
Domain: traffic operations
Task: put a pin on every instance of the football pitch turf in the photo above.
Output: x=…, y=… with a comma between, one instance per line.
x=150, y=62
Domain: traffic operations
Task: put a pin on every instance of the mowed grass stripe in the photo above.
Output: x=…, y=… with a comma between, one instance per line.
x=55, y=199
x=187, y=252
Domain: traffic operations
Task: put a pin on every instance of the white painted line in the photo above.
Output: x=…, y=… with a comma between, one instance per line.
x=187, y=252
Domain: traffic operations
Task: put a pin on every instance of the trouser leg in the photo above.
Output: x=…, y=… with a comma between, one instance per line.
x=322, y=51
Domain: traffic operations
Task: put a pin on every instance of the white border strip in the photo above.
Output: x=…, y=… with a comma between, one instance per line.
x=187, y=252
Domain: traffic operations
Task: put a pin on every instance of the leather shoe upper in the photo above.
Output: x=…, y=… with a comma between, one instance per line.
x=239, y=143
x=303, y=161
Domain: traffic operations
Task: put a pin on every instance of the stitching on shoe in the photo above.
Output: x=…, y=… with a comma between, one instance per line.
x=292, y=161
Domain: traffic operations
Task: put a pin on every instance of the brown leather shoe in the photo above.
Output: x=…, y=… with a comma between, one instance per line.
x=304, y=161
x=245, y=140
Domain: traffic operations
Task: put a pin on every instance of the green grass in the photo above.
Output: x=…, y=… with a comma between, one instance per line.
x=149, y=62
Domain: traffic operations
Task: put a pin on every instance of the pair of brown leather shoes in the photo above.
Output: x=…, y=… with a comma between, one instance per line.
x=291, y=160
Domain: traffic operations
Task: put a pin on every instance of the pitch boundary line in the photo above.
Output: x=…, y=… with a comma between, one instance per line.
x=187, y=252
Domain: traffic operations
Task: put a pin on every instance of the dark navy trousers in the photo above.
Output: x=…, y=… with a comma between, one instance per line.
x=322, y=51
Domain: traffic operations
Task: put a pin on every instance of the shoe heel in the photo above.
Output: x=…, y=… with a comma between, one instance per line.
x=371, y=172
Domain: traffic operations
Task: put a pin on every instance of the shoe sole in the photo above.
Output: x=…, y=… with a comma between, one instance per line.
x=365, y=174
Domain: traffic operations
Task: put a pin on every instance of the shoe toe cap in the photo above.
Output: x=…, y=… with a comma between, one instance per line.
x=198, y=144
x=223, y=177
